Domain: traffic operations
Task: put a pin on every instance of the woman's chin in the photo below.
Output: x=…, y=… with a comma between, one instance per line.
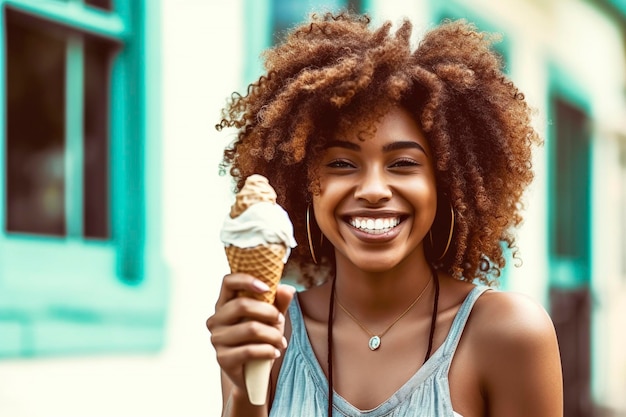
x=374, y=264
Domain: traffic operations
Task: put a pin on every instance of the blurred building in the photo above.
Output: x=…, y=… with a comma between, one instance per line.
x=110, y=259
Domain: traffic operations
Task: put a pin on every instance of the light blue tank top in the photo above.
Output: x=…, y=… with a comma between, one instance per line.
x=302, y=388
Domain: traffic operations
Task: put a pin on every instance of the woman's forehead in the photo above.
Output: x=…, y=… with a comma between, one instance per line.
x=395, y=121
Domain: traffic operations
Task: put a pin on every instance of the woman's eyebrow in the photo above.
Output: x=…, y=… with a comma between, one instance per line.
x=343, y=144
x=394, y=146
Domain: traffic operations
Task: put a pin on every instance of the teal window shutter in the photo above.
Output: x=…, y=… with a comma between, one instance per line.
x=569, y=175
x=570, y=188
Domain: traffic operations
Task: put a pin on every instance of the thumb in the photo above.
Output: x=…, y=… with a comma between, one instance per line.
x=284, y=295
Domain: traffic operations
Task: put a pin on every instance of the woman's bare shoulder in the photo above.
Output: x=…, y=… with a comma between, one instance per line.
x=510, y=318
x=515, y=347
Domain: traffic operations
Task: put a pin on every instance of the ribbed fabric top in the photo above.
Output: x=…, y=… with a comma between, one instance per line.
x=302, y=387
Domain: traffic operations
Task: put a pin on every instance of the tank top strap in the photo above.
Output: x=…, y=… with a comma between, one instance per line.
x=295, y=317
x=458, y=324
x=299, y=342
x=298, y=331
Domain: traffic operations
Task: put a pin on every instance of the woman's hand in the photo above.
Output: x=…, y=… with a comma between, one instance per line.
x=244, y=328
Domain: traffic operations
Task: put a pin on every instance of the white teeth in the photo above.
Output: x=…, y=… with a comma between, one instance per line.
x=375, y=225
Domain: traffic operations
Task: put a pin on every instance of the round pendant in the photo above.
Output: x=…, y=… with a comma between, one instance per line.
x=374, y=343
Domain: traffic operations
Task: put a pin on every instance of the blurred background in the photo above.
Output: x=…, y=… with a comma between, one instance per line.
x=110, y=259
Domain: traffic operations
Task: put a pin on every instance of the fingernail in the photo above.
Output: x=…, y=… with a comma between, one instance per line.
x=284, y=342
x=276, y=353
x=281, y=318
x=260, y=286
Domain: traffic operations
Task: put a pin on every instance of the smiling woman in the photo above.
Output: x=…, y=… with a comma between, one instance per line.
x=402, y=171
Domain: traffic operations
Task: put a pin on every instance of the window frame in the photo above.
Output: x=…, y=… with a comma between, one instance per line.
x=114, y=27
x=96, y=286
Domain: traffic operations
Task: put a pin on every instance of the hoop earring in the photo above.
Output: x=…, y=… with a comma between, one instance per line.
x=308, y=234
x=430, y=234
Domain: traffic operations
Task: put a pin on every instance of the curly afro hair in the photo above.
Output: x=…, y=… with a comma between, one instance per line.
x=336, y=68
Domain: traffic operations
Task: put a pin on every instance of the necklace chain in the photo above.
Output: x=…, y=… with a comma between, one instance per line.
x=375, y=339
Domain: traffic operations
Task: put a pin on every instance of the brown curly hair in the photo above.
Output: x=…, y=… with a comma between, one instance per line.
x=335, y=68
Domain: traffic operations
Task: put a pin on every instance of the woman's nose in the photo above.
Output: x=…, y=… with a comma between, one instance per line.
x=373, y=187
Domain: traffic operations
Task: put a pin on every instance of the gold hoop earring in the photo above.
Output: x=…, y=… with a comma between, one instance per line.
x=308, y=234
x=430, y=234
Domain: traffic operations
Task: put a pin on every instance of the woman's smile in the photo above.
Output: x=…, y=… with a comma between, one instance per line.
x=375, y=226
x=375, y=229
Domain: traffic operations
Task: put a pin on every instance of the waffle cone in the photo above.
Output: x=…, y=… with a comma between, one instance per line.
x=264, y=262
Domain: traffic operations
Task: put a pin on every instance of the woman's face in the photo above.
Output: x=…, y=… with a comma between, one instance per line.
x=378, y=197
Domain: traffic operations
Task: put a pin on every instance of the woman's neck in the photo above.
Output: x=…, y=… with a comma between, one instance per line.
x=372, y=293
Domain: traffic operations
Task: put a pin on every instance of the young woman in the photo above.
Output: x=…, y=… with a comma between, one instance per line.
x=403, y=172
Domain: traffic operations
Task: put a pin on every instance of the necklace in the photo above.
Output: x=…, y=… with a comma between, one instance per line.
x=375, y=339
x=329, y=338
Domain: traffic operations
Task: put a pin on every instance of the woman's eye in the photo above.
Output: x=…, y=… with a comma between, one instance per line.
x=340, y=163
x=404, y=163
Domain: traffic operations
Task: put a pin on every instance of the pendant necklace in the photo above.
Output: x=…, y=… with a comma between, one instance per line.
x=376, y=339
x=329, y=339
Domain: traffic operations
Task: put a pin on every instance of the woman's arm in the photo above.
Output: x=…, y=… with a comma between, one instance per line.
x=519, y=358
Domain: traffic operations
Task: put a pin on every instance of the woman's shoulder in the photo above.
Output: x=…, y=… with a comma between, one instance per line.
x=509, y=333
x=509, y=317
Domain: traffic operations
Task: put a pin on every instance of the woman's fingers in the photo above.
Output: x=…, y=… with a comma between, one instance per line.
x=231, y=309
x=284, y=295
x=233, y=283
x=244, y=308
x=232, y=360
x=247, y=333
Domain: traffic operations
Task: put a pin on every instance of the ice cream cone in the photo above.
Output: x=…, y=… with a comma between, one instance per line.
x=265, y=262
x=258, y=238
